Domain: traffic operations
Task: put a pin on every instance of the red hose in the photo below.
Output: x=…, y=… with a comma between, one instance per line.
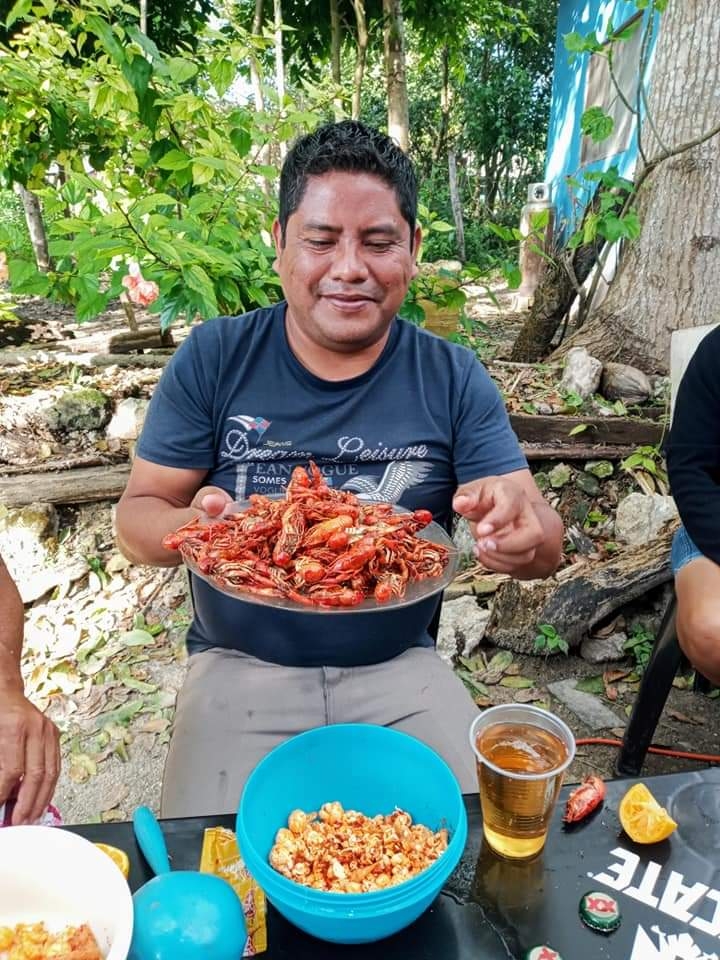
x=681, y=754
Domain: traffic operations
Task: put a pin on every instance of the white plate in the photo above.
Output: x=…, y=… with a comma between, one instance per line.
x=416, y=591
x=56, y=877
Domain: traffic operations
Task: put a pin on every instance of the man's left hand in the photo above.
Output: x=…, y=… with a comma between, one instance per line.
x=508, y=532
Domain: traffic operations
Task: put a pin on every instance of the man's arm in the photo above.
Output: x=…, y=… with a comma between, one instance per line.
x=516, y=530
x=156, y=501
x=29, y=742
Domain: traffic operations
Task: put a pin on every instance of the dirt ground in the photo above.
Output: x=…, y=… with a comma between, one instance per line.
x=104, y=650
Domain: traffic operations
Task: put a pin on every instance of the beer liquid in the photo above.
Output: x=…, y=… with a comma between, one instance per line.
x=516, y=812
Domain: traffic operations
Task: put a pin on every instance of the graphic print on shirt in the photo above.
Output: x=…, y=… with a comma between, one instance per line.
x=238, y=440
x=397, y=478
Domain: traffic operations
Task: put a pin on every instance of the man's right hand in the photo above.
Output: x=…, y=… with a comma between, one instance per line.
x=211, y=501
x=29, y=756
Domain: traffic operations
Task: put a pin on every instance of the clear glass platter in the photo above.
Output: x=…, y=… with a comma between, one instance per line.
x=415, y=592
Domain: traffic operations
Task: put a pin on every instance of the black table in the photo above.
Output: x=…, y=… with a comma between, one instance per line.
x=493, y=909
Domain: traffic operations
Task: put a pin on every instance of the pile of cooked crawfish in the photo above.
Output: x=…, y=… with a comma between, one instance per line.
x=318, y=546
x=344, y=851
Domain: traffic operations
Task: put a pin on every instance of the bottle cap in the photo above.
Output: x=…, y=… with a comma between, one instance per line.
x=600, y=912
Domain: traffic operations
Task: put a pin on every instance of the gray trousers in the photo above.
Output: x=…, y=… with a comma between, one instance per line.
x=233, y=709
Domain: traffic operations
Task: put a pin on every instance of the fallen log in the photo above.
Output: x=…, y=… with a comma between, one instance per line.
x=123, y=341
x=579, y=597
x=84, y=485
x=578, y=451
x=610, y=431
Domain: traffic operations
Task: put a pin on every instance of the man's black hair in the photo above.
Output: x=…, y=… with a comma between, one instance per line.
x=347, y=146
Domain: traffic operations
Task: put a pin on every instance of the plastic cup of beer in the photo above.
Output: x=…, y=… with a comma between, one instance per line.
x=521, y=753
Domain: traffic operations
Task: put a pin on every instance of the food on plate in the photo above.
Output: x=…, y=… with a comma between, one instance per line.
x=33, y=941
x=118, y=857
x=343, y=851
x=584, y=799
x=642, y=817
x=318, y=546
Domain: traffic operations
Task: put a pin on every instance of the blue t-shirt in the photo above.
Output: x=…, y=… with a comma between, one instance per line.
x=235, y=401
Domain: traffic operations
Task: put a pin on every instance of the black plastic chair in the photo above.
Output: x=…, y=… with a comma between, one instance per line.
x=665, y=660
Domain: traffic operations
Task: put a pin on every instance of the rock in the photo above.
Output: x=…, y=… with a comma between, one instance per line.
x=27, y=543
x=641, y=516
x=84, y=409
x=128, y=419
x=544, y=409
x=464, y=540
x=588, y=484
x=600, y=468
x=559, y=475
x=582, y=373
x=600, y=649
x=620, y=381
x=661, y=387
x=462, y=627
x=586, y=707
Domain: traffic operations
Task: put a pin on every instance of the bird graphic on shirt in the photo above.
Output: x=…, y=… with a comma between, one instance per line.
x=398, y=476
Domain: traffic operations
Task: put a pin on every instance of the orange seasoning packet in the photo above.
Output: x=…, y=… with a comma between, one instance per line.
x=221, y=856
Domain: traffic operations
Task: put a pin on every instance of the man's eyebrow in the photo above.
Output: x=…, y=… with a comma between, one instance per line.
x=317, y=225
x=387, y=229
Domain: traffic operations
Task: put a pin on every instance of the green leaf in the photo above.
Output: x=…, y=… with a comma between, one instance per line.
x=577, y=43
x=517, y=683
x=501, y=661
x=591, y=685
x=439, y=226
x=174, y=160
x=596, y=124
x=241, y=140
x=104, y=32
x=181, y=70
x=580, y=428
x=136, y=638
x=222, y=74
x=137, y=72
x=18, y=11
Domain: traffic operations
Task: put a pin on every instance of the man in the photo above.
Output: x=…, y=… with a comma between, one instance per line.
x=29, y=742
x=693, y=459
x=384, y=409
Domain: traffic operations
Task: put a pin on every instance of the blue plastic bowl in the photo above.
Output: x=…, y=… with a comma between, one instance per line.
x=367, y=768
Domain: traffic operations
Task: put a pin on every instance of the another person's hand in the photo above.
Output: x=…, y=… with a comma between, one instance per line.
x=507, y=529
x=211, y=501
x=29, y=756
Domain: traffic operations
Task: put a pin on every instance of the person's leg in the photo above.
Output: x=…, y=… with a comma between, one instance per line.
x=231, y=711
x=419, y=694
x=697, y=588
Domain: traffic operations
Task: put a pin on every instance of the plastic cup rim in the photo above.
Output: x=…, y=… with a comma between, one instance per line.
x=534, y=711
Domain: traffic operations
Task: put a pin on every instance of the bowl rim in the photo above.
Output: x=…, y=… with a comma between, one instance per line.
x=297, y=895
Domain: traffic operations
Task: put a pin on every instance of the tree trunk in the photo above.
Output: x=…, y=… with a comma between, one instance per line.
x=397, y=97
x=456, y=204
x=255, y=77
x=143, y=16
x=440, y=148
x=669, y=277
x=335, y=44
x=36, y=227
x=360, y=57
x=280, y=67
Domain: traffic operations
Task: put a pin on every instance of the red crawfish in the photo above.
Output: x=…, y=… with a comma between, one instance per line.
x=584, y=799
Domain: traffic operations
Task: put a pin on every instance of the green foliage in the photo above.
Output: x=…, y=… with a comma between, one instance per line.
x=596, y=124
x=639, y=645
x=155, y=166
x=646, y=466
x=548, y=640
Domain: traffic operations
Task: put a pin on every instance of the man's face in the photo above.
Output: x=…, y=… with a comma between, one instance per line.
x=347, y=261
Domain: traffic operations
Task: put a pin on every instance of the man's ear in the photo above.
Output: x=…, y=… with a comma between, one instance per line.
x=278, y=241
x=417, y=244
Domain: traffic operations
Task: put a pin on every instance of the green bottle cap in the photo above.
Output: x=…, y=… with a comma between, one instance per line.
x=542, y=952
x=600, y=912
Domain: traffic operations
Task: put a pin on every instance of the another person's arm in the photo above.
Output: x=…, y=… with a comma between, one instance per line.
x=693, y=450
x=29, y=742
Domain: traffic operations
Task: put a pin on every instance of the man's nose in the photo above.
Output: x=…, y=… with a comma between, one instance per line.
x=348, y=263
